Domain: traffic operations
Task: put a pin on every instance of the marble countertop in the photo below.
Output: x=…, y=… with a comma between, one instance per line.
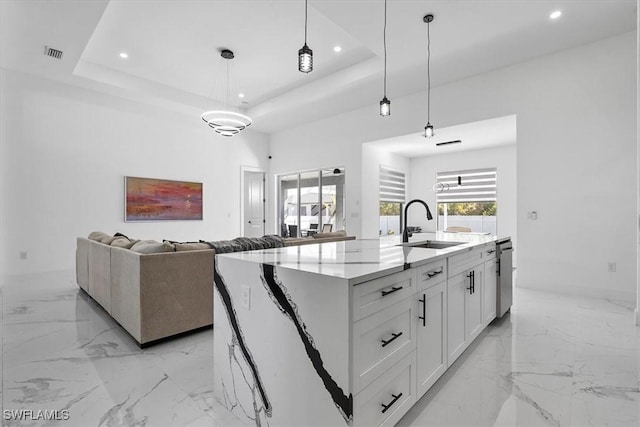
x=362, y=260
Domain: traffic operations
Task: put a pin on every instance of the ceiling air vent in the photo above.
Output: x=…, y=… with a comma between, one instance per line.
x=457, y=141
x=54, y=53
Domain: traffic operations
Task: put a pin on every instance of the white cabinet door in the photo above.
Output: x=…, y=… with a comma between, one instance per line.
x=431, y=336
x=464, y=310
x=489, y=289
x=474, y=303
x=456, y=301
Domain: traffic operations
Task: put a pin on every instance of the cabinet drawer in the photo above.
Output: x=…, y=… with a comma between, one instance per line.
x=393, y=393
x=381, y=340
x=431, y=274
x=489, y=252
x=371, y=297
x=463, y=261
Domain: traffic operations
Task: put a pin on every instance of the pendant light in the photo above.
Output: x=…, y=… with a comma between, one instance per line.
x=226, y=122
x=385, y=104
x=305, y=55
x=428, y=129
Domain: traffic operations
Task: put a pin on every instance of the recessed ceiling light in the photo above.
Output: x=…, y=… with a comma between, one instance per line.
x=556, y=14
x=124, y=55
x=241, y=95
x=337, y=49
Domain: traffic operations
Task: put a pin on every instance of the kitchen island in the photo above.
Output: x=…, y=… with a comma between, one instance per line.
x=346, y=333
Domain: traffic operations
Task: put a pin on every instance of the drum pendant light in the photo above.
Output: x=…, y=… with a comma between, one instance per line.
x=428, y=129
x=385, y=104
x=305, y=54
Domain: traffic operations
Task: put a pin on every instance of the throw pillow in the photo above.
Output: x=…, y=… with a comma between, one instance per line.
x=152, y=247
x=121, y=242
x=96, y=235
x=108, y=239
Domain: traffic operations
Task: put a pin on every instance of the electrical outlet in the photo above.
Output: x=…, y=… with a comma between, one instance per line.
x=245, y=297
x=24, y=254
x=611, y=267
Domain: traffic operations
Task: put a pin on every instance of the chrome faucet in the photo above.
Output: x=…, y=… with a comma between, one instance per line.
x=405, y=233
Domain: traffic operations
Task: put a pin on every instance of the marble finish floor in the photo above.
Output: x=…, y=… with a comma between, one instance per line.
x=554, y=361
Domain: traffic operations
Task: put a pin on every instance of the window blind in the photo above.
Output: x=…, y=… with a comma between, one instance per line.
x=477, y=185
x=392, y=185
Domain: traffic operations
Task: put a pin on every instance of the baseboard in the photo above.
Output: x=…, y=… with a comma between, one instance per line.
x=628, y=298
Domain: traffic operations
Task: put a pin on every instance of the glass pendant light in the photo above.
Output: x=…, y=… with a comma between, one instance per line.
x=428, y=129
x=385, y=104
x=305, y=54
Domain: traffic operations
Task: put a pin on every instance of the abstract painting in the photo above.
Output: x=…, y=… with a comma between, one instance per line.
x=160, y=199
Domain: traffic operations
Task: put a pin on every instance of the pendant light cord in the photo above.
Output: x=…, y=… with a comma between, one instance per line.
x=384, y=42
x=305, y=22
x=228, y=85
x=428, y=74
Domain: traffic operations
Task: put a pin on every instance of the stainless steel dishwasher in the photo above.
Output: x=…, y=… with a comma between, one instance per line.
x=504, y=273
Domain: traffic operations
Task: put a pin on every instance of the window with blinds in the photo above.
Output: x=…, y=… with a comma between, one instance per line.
x=392, y=196
x=467, y=200
x=392, y=185
x=476, y=185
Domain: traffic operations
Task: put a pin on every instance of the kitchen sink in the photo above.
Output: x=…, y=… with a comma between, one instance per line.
x=434, y=244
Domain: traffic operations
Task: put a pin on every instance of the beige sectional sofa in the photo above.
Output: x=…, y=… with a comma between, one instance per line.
x=155, y=295
x=152, y=296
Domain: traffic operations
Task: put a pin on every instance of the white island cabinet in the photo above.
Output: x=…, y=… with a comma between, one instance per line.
x=345, y=333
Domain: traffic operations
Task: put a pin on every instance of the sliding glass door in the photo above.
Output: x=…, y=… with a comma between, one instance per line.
x=310, y=202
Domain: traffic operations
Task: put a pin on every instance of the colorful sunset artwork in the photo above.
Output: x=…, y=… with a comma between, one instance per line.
x=159, y=199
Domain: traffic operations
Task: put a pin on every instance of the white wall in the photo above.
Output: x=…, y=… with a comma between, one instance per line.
x=576, y=158
x=372, y=159
x=638, y=163
x=66, y=150
x=423, y=176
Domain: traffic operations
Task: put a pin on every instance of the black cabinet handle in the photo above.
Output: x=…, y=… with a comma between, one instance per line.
x=435, y=273
x=394, y=289
x=423, y=300
x=389, y=341
x=390, y=404
x=490, y=251
x=470, y=277
x=473, y=281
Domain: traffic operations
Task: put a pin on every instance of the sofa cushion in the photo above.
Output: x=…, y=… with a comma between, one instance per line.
x=341, y=233
x=191, y=246
x=124, y=243
x=152, y=247
x=96, y=235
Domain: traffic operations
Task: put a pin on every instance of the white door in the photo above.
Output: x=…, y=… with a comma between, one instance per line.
x=253, y=214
